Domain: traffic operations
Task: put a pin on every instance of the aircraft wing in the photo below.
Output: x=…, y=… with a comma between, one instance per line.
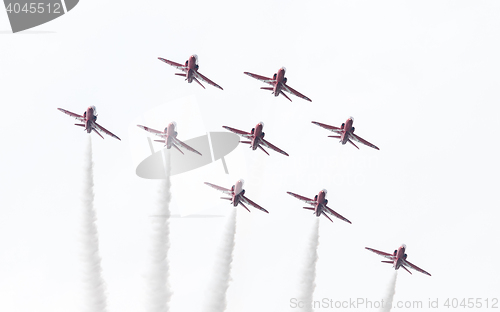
x=101, y=129
x=296, y=93
x=244, y=134
x=414, y=267
x=174, y=64
x=223, y=190
x=158, y=133
x=302, y=198
x=261, y=78
x=381, y=253
x=189, y=148
x=199, y=75
x=76, y=116
x=331, y=128
x=333, y=213
x=360, y=140
x=251, y=203
x=269, y=145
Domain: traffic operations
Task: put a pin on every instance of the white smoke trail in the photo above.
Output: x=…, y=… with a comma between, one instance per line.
x=158, y=291
x=308, y=277
x=391, y=290
x=217, y=301
x=94, y=288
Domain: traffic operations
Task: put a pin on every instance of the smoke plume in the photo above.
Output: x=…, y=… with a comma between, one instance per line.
x=308, y=276
x=217, y=301
x=158, y=291
x=391, y=290
x=94, y=288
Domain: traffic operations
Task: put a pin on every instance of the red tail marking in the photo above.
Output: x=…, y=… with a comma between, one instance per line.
x=177, y=148
x=352, y=143
x=406, y=269
x=244, y=206
x=263, y=150
x=327, y=216
x=281, y=92
x=97, y=133
x=198, y=82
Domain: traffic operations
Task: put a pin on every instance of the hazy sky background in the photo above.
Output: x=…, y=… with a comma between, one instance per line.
x=420, y=79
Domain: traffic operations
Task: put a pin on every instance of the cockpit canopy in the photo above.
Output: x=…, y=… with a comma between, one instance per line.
x=283, y=68
x=242, y=182
x=94, y=109
x=324, y=191
x=261, y=123
x=196, y=58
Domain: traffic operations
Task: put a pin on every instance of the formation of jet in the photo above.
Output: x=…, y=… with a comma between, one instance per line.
x=190, y=69
x=319, y=205
x=88, y=120
x=398, y=259
x=278, y=83
x=256, y=138
x=169, y=136
x=346, y=133
x=237, y=194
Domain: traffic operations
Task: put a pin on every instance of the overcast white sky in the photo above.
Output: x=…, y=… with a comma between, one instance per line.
x=420, y=79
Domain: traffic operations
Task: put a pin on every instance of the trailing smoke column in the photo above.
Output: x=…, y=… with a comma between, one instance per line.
x=157, y=287
x=308, y=276
x=391, y=290
x=221, y=273
x=93, y=284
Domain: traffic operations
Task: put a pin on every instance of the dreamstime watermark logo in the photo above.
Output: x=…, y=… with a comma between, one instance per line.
x=25, y=14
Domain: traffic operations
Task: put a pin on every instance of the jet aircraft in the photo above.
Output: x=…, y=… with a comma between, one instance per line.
x=345, y=133
x=256, y=138
x=88, y=120
x=190, y=69
x=169, y=136
x=319, y=205
x=278, y=84
x=237, y=194
x=398, y=259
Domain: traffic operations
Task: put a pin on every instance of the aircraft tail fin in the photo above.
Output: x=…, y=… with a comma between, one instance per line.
x=97, y=133
x=353, y=143
x=282, y=93
x=244, y=206
x=406, y=269
x=327, y=216
x=177, y=148
x=198, y=82
x=263, y=150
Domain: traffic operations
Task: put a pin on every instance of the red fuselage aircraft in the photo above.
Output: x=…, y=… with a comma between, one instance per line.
x=88, y=120
x=345, y=133
x=319, y=205
x=237, y=194
x=278, y=83
x=190, y=69
x=169, y=137
x=398, y=259
x=256, y=137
